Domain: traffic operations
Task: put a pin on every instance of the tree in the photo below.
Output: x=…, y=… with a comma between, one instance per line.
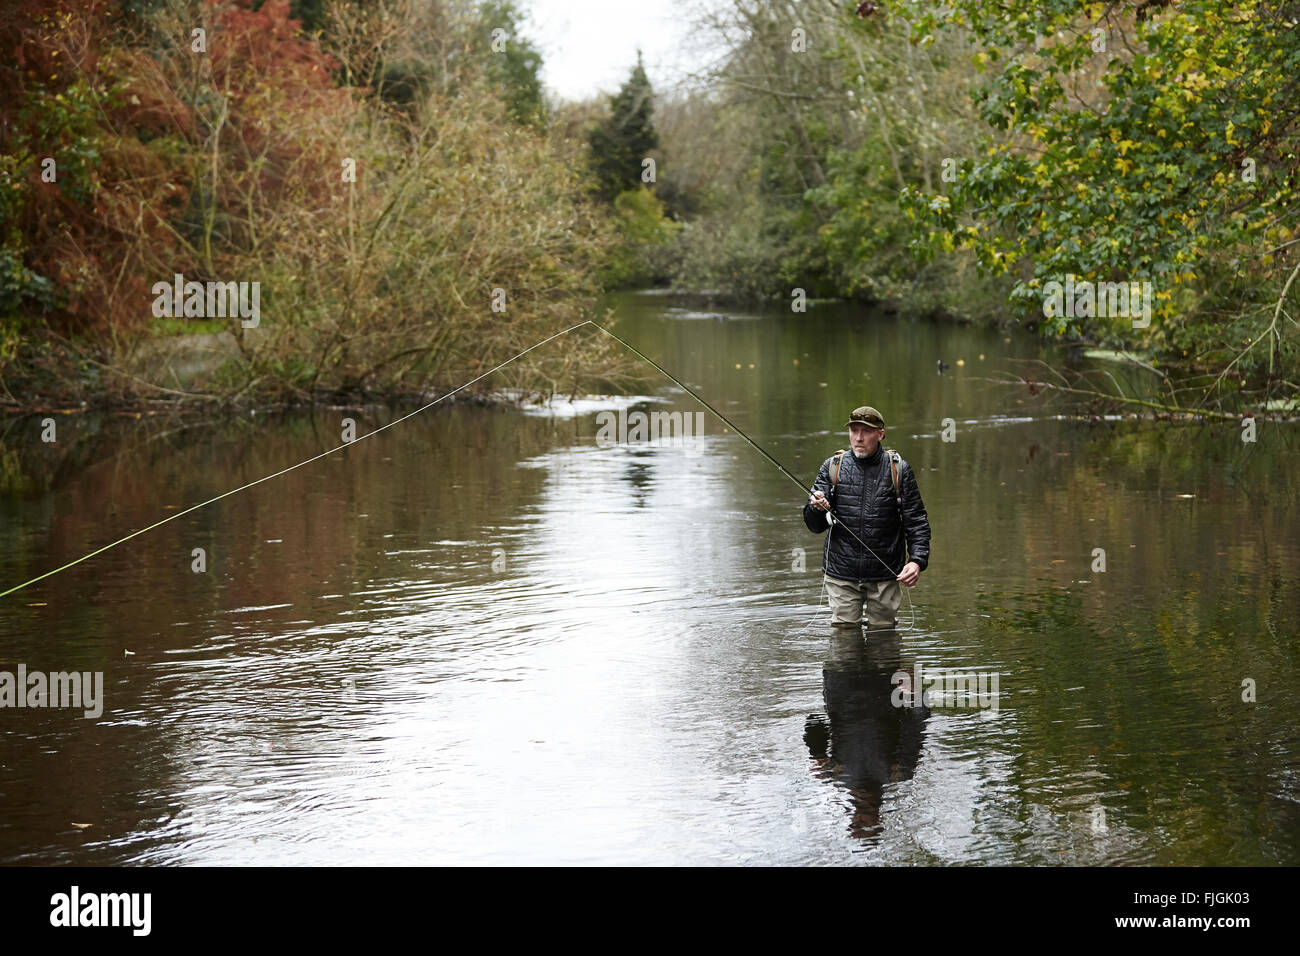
x=515, y=69
x=1136, y=142
x=621, y=143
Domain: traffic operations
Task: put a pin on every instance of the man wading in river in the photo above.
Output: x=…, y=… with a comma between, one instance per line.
x=873, y=493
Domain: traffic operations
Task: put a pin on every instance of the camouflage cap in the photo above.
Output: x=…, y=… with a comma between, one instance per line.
x=865, y=415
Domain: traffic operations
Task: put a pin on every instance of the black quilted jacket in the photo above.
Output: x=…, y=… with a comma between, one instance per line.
x=864, y=501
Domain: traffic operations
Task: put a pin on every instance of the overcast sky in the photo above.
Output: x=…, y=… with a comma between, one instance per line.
x=590, y=46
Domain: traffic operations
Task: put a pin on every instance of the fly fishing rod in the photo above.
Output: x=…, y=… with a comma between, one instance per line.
x=832, y=517
x=835, y=519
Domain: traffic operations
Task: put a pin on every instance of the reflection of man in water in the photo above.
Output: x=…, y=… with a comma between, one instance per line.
x=863, y=741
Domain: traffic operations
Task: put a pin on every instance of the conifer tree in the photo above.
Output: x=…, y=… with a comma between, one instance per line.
x=621, y=143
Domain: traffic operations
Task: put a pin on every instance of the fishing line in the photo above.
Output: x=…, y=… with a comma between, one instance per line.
x=763, y=451
x=682, y=385
x=629, y=346
x=285, y=471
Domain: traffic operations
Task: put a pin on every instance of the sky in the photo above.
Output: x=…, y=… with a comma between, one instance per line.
x=589, y=46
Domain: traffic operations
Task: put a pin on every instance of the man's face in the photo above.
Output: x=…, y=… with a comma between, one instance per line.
x=864, y=439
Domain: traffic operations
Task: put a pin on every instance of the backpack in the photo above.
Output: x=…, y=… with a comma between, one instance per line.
x=894, y=462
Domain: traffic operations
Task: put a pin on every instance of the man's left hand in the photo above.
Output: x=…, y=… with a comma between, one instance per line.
x=911, y=571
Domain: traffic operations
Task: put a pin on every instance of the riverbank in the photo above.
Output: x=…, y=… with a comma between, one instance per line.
x=55, y=377
x=208, y=371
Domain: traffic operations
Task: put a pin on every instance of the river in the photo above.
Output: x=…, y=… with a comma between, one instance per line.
x=485, y=636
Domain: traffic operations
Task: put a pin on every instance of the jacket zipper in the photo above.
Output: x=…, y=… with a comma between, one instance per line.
x=862, y=511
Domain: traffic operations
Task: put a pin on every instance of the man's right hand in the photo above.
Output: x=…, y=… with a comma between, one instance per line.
x=818, y=500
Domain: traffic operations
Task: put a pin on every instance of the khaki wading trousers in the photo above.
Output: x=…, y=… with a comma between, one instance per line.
x=877, y=600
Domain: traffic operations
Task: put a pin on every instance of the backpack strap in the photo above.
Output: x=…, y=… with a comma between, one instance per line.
x=835, y=469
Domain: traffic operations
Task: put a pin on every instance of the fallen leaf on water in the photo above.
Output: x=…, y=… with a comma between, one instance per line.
x=82, y=826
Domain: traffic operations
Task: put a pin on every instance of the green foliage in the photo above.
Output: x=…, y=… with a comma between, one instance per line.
x=645, y=234
x=63, y=125
x=516, y=69
x=168, y=326
x=11, y=338
x=58, y=125
x=812, y=149
x=899, y=139
x=404, y=83
x=22, y=288
x=1128, y=163
x=729, y=256
x=311, y=13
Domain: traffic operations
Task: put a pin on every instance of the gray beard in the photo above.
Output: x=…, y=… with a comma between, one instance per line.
x=859, y=454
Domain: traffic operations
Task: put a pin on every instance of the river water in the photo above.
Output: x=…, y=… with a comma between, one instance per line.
x=486, y=636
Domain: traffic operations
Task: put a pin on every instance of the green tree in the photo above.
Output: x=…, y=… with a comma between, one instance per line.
x=626, y=137
x=1136, y=142
x=515, y=67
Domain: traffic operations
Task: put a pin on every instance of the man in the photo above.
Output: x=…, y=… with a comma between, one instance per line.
x=866, y=579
